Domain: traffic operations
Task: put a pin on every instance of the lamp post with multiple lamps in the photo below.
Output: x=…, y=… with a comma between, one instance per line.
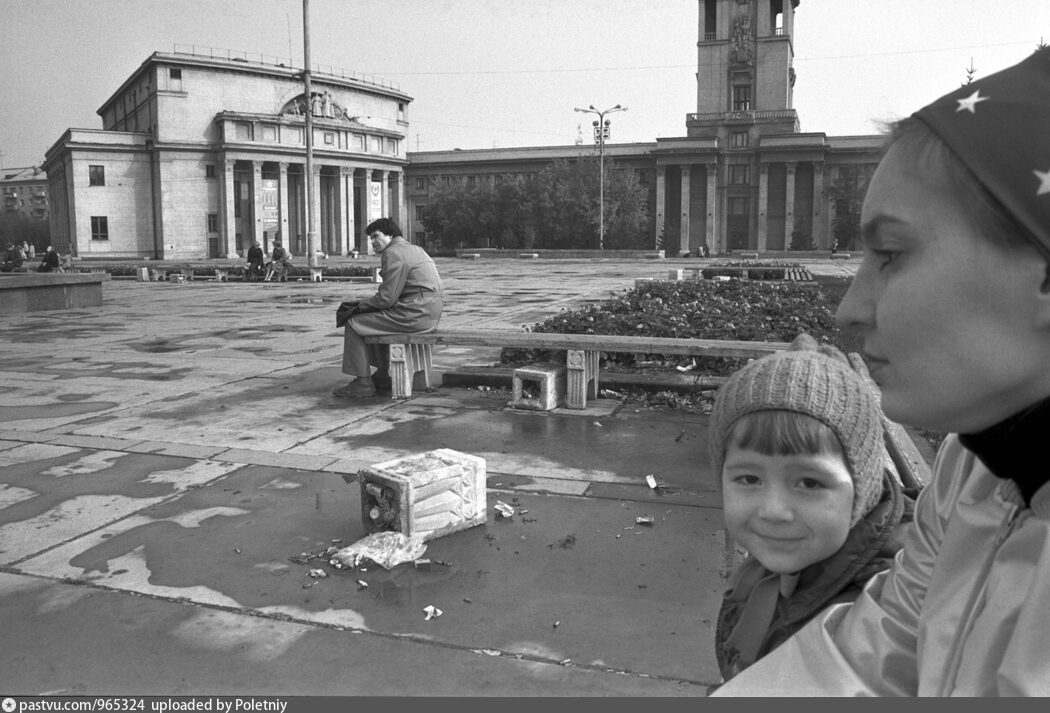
x=601, y=133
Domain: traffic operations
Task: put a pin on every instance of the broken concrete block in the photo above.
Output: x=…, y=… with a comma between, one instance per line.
x=427, y=495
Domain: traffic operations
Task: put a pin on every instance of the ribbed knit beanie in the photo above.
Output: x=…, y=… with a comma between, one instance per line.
x=816, y=380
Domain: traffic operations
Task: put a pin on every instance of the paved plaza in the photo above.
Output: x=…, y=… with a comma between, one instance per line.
x=168, y=458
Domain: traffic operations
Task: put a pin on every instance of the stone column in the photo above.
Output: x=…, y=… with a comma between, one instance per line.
x=228, y=228
x=683, y=239
x=346, y=218
x=712, y=208
x=661, y=201
x=257, y=208
x=282, y=191
x=397, y=203
x=315, y=213
x=763, y=206
x=820, y=235
x=789, y=204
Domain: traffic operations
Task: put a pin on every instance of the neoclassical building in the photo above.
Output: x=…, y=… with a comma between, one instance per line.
x=200, y=154
x=742, y=178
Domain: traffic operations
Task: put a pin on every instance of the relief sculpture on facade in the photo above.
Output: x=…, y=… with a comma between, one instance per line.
x=321, y=104
x=743, y=49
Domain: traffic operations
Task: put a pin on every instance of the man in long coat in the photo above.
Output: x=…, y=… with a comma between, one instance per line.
x=409, y=301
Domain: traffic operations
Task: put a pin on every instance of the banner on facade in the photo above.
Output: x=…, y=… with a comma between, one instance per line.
x=375, y=200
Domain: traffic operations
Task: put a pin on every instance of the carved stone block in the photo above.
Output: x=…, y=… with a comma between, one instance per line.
x=431, y=494
x=549, y=382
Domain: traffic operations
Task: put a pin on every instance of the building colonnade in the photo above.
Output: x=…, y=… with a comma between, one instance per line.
x=705, y=203
x=265, y=199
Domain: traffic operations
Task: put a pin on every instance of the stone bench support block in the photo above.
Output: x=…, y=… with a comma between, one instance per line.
x=582, y=365
x=551, y=381
x=427, y=495
x=405, y=361
x=315, y=274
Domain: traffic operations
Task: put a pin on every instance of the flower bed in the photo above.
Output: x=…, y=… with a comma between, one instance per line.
x=731, y=310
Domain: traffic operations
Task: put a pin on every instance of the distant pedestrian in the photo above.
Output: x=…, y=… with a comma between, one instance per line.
x=12, y=260
x=255, y=269
x=48, y=261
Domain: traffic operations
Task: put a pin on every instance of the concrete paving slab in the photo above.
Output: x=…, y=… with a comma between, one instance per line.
x=68, y=491
x=196, y=650
x=581, y=562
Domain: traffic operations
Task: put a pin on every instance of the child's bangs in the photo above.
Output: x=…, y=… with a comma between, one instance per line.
x=774, y=433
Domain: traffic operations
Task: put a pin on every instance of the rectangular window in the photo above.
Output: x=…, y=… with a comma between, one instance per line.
x=445, y=180
x=175, y=79
x=738, y=206
x=710, y=19
x=329, y=137
x=376, y=145
x=391, y=147
x=421, y=212
x=421, y=184
x=209, y=170
x=472, y=180
x=739, y=175
x=360, y=142
x=739, y=139
x=296, y=136
x=99, y=227
x=242, y=130
x=269, y=133
x=400, y=111
x=213, y=222
x=742, y=97
x=96, y=175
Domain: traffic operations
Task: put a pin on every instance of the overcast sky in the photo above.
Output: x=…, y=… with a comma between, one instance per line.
x=486, y=73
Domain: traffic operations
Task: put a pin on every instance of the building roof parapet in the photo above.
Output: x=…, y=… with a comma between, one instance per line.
x=686, y=144
x=793, y=141
x=873, y=142
x=268, y=60
x=526, y=153
x=191, y=55
x=135, y=140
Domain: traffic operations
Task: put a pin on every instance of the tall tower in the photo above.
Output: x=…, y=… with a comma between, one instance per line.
x=744, y=72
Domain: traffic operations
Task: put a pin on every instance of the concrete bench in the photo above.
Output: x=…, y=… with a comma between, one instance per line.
x=529, y=256
x=840, y=256
x=411, y=353
x=470, y=256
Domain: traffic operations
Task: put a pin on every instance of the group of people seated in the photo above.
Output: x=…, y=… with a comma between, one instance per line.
x=258, y=268
x=16, y=256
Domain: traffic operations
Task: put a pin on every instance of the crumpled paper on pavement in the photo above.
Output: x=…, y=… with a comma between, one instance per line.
x=387, y=549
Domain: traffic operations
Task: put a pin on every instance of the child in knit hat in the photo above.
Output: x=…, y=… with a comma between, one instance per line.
x=797, y=440
x=952, y=302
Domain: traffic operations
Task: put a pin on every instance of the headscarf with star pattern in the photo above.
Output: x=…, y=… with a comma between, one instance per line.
x=999, y=126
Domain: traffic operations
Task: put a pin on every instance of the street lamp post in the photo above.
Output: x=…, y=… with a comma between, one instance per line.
x=601, y=133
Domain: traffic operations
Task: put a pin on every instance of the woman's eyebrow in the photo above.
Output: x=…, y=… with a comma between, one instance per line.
x=870, y=229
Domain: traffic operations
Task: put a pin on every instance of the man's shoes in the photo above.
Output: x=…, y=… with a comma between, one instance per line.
x=355, y=390
x=383, y=383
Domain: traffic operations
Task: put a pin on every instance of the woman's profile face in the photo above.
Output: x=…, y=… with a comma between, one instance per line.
x=949, y=319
